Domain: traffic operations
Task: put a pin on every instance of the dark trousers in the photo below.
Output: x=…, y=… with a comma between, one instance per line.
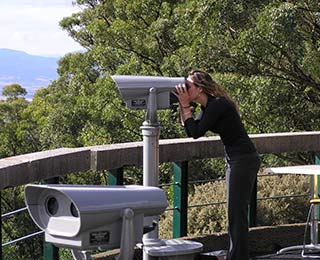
x=241, y=174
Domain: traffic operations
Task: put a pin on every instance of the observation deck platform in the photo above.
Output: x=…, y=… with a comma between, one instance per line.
x=264, y=243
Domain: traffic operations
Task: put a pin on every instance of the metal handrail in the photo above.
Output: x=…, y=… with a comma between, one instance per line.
x=263, y=198
x=22, y=238
x=13, y=212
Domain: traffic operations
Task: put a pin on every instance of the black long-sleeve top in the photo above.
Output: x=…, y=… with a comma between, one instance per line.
x=220, y=116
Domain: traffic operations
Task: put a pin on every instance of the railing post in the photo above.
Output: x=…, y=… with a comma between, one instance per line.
x=252, y=214
x=0, y=225
x=180, y=199
x=317, y=161
x=115, y=176
x=50, y=251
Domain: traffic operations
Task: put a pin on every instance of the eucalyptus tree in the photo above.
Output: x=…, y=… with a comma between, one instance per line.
x=12, y=136
x=16, y=138
x=265, y=52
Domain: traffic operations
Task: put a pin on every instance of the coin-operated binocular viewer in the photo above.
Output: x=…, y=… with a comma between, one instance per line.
x=85, y=218
x=149, y=93
x=152, y=93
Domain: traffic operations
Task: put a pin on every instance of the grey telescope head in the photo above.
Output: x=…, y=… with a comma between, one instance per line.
x=90, y=217
x=135, y=90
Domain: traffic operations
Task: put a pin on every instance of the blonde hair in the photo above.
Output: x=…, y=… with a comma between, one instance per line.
x=210, y=87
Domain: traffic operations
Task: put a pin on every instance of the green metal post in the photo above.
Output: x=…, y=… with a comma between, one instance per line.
x=252, y=214
x=180, y=200
x=317, y=161
x=0, y=225
x=50, y=251
x=115, y=176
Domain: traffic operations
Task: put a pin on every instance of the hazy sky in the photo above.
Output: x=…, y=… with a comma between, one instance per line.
x=33, y=26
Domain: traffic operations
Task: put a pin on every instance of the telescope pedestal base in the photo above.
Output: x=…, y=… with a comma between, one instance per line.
x=81, y=255
x=174, y=249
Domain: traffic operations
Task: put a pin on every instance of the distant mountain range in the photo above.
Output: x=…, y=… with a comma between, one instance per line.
x=30, y=71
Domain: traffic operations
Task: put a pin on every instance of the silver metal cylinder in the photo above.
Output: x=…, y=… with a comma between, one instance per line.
x=151, y=133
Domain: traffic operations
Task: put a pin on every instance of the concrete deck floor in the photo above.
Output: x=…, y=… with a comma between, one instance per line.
x=264, y=243
x=292, y=255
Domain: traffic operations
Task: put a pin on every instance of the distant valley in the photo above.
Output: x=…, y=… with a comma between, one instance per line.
x=30, y=71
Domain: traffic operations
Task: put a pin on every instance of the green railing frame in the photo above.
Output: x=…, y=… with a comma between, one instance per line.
x=115, y=176
x=180, y=199
x=50, y=251
x=0, y=225
x=317, y=161
x=180, y=171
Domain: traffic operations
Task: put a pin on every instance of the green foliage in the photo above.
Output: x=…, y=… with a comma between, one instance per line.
x=14, y=138
x=18, y=225
x=283, y=210
x=264, y=52
x=13, y=91
x=272, y=210
x=208, y=219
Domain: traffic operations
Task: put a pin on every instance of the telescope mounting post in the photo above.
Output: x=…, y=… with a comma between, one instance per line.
x=151, y=132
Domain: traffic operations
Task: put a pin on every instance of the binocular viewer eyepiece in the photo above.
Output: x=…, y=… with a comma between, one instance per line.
x=135, y=90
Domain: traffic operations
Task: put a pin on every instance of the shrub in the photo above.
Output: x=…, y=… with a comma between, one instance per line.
x=271, y=210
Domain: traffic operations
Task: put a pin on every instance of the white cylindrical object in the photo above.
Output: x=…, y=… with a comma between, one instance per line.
x=174, y=249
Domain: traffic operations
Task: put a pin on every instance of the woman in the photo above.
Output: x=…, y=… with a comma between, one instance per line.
x=219, y=114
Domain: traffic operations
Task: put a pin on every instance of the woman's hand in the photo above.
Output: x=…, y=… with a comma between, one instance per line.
x=183, y=95
x=184, y=102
